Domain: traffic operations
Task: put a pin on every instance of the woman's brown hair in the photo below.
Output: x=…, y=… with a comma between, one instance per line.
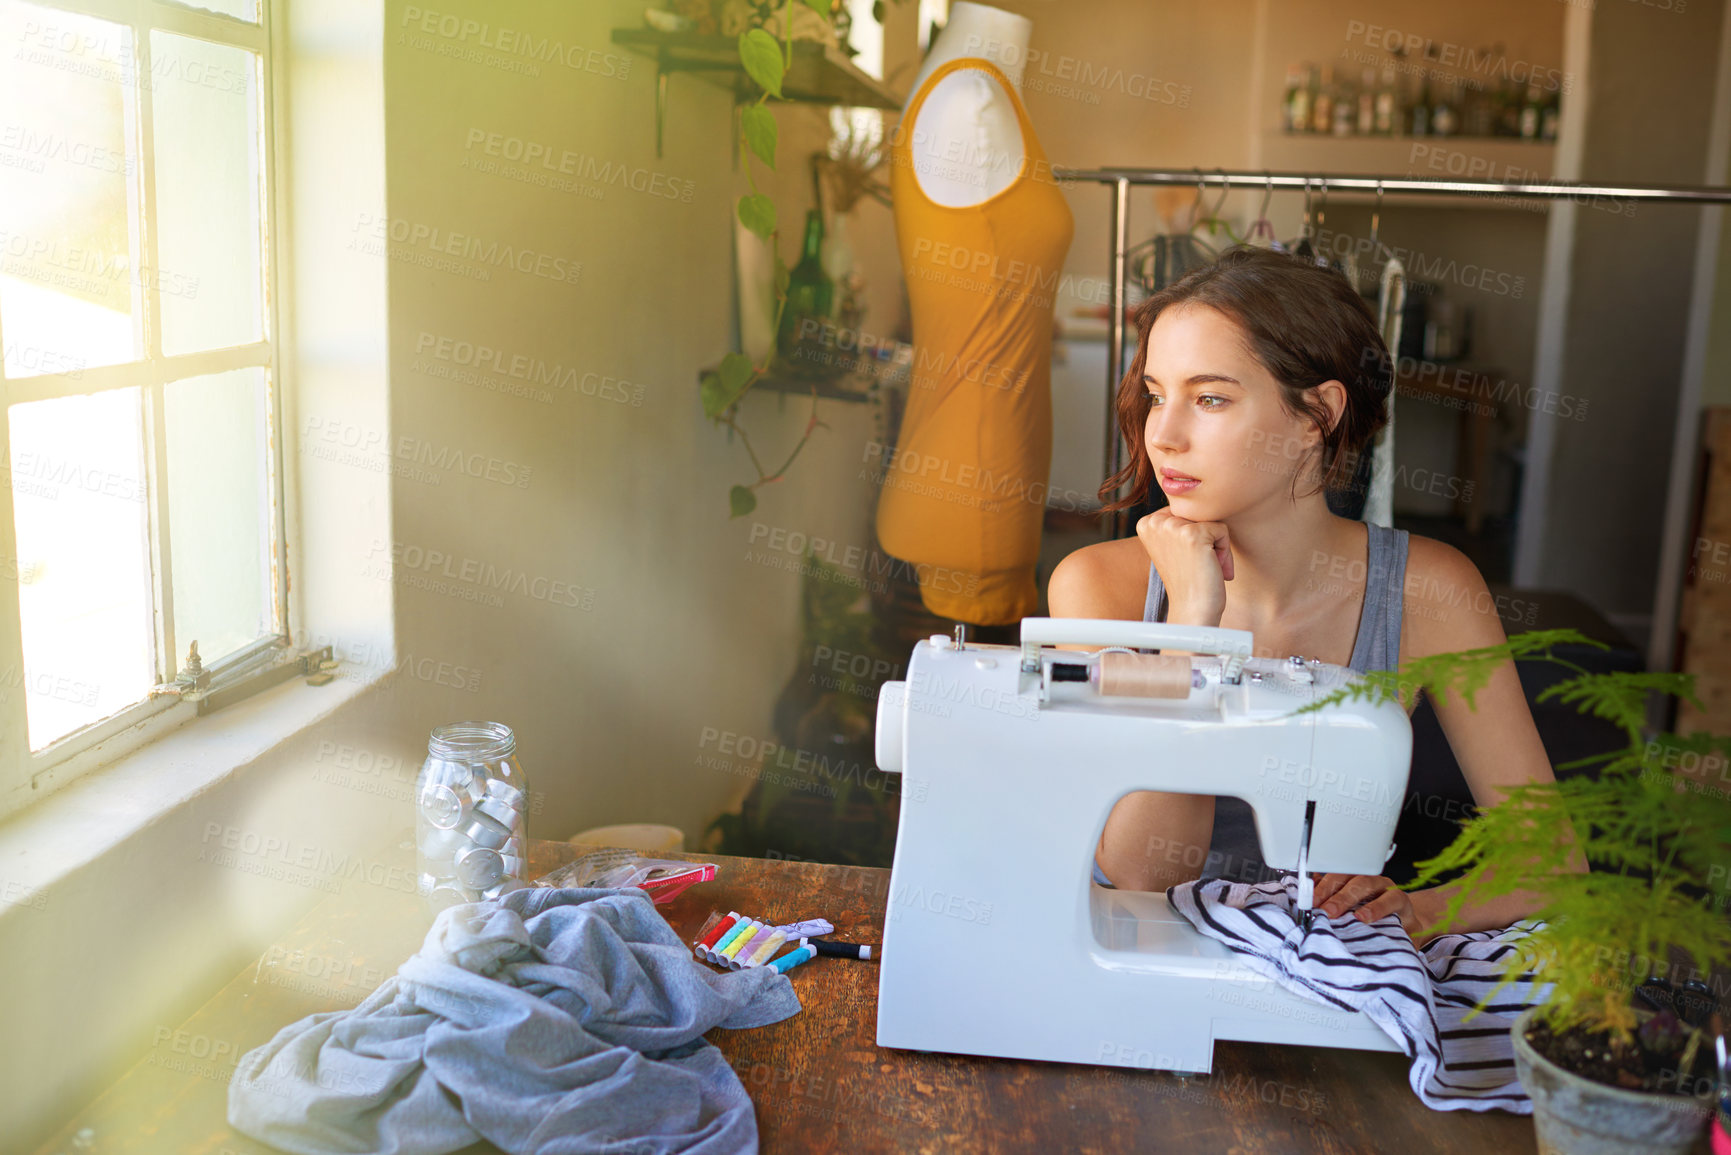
x=1305, y=324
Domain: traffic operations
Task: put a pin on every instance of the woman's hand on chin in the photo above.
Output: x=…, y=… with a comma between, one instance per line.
x=1194, y=560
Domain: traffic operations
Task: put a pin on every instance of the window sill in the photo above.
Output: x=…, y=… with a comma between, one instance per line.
x=48, y=840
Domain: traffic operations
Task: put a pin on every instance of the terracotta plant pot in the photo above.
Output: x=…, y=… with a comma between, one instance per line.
x=1578, y=1116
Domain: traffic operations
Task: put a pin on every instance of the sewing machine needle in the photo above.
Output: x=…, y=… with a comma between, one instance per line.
x=1306, y=888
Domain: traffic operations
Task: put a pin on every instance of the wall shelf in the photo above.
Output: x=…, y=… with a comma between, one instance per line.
x=849, y=377
x=820, y=74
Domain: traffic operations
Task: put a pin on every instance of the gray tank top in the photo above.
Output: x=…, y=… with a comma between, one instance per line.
x=1233, y=852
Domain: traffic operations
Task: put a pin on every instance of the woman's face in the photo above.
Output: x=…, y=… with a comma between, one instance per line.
x=1215, y=416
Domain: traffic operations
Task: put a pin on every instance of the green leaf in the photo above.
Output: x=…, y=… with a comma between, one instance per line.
x=736, y=371
x=822, y=6
x=714, y=396
x=760, y=132
x=721, y=387
x=761, y=56
x=757, y=213
x=741, y=500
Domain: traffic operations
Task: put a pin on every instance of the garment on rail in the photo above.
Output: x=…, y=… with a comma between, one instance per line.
x=1419, y=995
x=550, y=1021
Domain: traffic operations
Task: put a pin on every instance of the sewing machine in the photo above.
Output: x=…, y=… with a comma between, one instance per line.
x=998, y=941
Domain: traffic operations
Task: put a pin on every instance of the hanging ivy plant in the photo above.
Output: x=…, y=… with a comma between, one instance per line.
x=766, y=61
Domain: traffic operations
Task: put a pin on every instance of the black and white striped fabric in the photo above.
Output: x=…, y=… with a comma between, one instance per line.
x=1418, y=996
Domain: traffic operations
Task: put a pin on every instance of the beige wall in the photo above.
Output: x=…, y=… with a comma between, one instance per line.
x=692, y=625
x=1716, y=374
x=1652, y=78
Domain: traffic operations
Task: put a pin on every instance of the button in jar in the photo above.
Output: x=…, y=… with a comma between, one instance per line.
x=479, y=867
x=441, y=806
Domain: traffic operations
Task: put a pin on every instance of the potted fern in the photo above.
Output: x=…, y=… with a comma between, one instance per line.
x=1604, y=1074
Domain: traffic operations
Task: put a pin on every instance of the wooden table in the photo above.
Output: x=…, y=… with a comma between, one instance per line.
x=819, y=1080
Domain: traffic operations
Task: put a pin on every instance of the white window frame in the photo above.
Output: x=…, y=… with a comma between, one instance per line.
x=25, y=774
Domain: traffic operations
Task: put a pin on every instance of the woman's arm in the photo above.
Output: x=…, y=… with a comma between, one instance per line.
x=1447, y=607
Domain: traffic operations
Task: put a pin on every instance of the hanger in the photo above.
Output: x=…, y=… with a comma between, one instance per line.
x=1302, y=247
x=1391, y=293
x=1306, y=247
x=1196, y=218
x=1262, y=229
x=1164, y=257
x=1213, y=221
x=1391, y=283
x=1377, y=248
x=1321, y=216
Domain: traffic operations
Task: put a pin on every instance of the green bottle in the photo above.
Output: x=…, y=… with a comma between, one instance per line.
x=810, y=298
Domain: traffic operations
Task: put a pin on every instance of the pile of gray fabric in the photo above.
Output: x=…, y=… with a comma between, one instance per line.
x=549, y=1021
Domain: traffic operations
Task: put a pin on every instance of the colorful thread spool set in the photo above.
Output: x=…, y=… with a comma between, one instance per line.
x=740, y=941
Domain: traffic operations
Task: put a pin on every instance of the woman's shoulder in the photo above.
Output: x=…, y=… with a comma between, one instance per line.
x=1108, y=579
x=1445, y=603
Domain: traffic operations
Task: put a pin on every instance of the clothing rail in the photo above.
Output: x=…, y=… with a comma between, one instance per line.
x=1122, y=178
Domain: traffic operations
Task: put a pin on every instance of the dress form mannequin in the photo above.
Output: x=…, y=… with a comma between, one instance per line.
x=967, y=144
x=982, y=242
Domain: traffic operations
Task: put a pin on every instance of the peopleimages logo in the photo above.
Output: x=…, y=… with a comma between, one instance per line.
x=1488, y=65
x=1071, y=76
x=53, y=146
x=525, y=367
x=931, y=475
x=484, y=576
x=513, y=43
x=465, y=246
x=564, y=162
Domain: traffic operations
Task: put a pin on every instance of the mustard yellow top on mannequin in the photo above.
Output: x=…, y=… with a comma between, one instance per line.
x=964, y=491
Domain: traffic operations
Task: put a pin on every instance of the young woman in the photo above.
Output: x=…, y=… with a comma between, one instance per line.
x=1257, y=383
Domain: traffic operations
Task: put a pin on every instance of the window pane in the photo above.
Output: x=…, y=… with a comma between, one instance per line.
x=209, y=244
x=242, y=9
x=218, y=512
x=69, y=280
x=84, y=588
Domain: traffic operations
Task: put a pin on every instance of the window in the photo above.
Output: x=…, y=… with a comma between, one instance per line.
x=138, y=365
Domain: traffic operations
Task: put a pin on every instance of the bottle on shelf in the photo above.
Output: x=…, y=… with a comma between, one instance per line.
x=1387, y=105
x=1304, y=101
x=810, y=292
x=1367, y=103
x=1508, y=109
x=1549, y=115
x=1294, y=102
x=1322, y=104
x=1345, y=109
x=1478, y=112
x=1418, y=117
x=1293, y=99
x=1532, y=111
x=1445, y=119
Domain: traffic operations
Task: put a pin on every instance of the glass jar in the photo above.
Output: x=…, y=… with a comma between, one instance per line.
x=471, y=815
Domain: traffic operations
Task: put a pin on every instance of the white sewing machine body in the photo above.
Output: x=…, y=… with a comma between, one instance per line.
x=997, y=940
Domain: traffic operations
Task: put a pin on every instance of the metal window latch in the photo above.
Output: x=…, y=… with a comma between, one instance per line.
x=260, y=669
